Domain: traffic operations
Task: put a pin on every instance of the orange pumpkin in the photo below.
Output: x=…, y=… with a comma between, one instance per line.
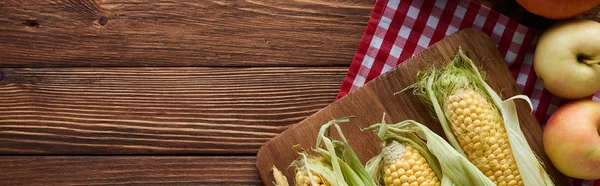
x=558, y=9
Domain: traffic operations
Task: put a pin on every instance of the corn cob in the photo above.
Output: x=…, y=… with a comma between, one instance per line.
x=476, y=122
x=303, y=178
x=334, y=164
x=479, y=130
x=404, y=165
x=414, y=155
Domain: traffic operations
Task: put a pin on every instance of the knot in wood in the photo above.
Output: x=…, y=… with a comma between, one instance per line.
x=103, y=20
x=31, y=23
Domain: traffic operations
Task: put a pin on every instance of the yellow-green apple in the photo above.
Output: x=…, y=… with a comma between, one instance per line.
x=567, y=58
x=572, y=139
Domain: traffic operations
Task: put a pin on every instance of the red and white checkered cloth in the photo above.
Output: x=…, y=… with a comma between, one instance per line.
x=399, y=29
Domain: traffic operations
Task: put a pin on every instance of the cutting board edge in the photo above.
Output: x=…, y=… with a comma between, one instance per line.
x=466, y=30
x=488, y=41
x=265, y=145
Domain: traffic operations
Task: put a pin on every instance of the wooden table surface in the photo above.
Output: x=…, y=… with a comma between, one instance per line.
x=167, y=92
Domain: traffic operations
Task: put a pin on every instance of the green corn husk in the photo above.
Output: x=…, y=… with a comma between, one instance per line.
x=436, y=86
x=334, y=160
x=450, y=167
x=316, y=166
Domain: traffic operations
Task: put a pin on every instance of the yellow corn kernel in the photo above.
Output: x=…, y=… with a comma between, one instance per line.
x=302, y=178
x=404, y=165
x=479, y=129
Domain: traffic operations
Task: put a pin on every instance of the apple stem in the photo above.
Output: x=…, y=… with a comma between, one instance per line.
x=590, y=62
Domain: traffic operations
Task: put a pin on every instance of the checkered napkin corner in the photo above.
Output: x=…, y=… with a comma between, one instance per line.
x=399, y=29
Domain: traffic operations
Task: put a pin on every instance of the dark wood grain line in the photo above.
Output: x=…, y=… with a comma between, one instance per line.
x=50, y=33
x=198, y=110
x=128, y=170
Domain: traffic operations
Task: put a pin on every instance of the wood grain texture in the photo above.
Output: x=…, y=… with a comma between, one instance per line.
x=128, y=170
x=156, y=110
x=369, y=102
x=181, y=33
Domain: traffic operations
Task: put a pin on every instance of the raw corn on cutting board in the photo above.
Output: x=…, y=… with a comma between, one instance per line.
x=378, y=96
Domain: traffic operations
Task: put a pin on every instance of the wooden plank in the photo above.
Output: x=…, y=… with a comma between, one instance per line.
x=128, y=170
x=156, y=110
x=369, y=102
x=180, y=33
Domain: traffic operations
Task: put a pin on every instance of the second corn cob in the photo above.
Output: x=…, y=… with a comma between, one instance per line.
x=404, y=165
x=479, y=130
x=414, y=155
x=479, y=124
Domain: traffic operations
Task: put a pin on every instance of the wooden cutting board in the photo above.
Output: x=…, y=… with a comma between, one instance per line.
x=369, y=102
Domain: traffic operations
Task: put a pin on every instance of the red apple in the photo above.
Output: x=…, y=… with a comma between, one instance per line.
x=558, y=9
x=572, y=139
